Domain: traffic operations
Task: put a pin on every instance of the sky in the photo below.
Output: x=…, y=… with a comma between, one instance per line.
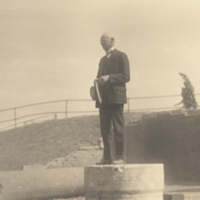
x=50, y=49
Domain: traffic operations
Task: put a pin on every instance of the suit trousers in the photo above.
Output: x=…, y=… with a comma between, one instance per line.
x=113, y=131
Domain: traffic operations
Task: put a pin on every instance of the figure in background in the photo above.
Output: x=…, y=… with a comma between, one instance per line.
x=189, y=101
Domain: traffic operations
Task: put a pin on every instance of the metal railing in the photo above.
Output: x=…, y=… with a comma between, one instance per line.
x=48, y=114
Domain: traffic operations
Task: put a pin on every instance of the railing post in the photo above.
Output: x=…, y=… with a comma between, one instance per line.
x=128, y=105
x=66, y=109
x=15, y=117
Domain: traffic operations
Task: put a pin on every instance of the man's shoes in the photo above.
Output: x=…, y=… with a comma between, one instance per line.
x=103, y=162
x=119, y=162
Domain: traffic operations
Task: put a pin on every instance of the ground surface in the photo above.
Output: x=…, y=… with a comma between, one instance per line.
x=189, y=192
x=56, y=143
x=38, y=144
x=76, y=198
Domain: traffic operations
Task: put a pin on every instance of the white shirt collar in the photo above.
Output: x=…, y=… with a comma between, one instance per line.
x=108, y=52
x=111, y=49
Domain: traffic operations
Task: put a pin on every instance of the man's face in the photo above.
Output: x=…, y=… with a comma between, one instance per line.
x=106, y=43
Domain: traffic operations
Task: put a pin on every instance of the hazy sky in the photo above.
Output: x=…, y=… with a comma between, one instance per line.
x=50, y=49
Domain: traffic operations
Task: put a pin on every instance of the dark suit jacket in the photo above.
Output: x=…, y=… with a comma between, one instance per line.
x=117, y=67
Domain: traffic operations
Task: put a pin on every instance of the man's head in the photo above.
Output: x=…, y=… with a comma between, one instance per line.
x=107, y=41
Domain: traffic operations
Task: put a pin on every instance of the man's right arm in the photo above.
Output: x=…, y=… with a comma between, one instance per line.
x=98, y=73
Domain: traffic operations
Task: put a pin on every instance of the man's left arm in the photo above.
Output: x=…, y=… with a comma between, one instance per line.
x=124, y=72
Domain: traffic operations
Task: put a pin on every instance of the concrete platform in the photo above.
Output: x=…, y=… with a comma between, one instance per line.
x=124, y=182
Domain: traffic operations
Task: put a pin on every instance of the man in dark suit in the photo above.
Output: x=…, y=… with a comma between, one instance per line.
x=113, y=74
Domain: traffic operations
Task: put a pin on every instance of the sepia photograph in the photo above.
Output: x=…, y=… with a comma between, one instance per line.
x=100, y=100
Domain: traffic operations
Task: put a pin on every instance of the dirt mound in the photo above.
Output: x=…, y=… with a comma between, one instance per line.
x=37, y=144
x=79, y=158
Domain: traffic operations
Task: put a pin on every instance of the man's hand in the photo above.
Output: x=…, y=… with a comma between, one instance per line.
x=102, y=79
x=105, y=78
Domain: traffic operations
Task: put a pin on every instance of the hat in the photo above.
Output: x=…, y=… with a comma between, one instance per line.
x=93, y=93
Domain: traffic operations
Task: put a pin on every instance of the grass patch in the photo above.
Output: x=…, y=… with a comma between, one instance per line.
x=37, y=144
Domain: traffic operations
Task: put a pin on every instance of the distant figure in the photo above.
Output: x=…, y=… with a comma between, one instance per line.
x=187, y=93
x=113, y=74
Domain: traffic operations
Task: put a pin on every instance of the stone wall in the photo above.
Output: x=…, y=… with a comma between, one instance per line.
x=172, y=139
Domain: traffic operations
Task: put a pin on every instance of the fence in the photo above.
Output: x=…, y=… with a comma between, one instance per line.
x=16, y=120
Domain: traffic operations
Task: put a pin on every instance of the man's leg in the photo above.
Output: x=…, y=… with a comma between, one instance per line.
x=107, y=133
x=119, y=130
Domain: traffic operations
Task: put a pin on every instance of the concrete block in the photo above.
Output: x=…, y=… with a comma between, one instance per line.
x=124, y=182
x=173, y=196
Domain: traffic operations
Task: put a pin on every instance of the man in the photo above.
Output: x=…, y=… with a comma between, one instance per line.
x=113, y=74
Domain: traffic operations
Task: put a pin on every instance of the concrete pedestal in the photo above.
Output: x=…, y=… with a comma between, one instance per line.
x=124, y=182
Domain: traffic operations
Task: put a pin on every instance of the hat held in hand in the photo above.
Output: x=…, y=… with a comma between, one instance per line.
x=93, y=93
